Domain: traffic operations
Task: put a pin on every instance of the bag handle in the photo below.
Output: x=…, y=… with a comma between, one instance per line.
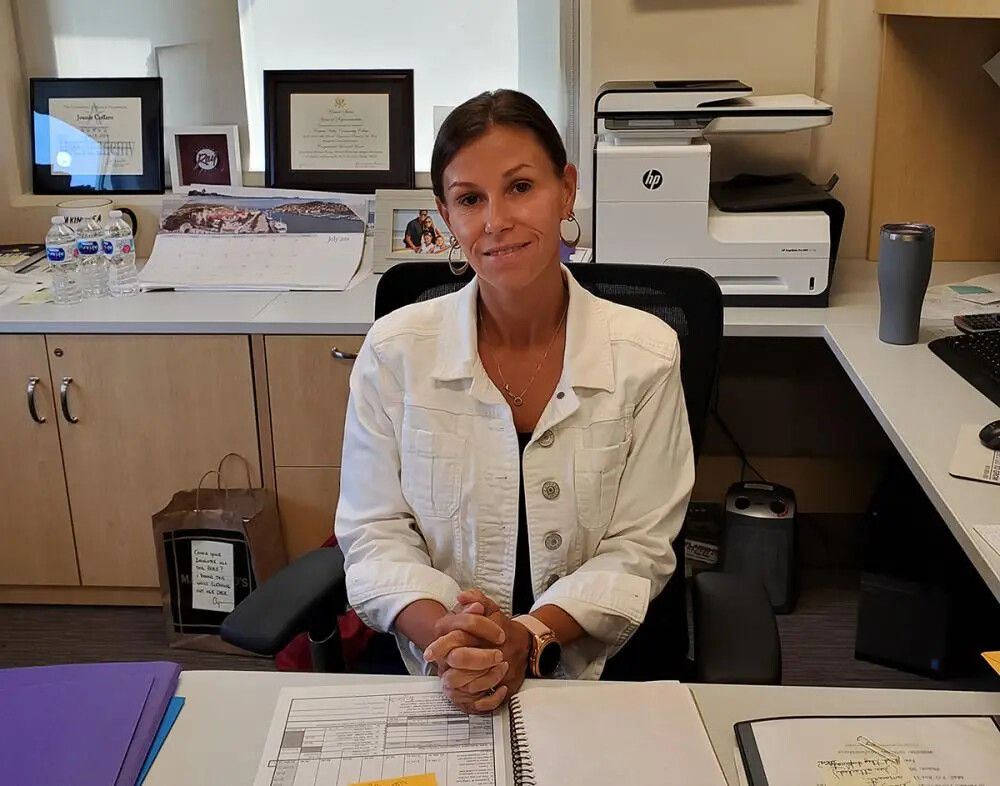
x=201, y=482
x=246, y=466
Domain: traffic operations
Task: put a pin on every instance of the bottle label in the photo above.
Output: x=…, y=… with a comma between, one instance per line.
x=87, y=247
x=56, y=254
x=108, y=247
x=119, y=245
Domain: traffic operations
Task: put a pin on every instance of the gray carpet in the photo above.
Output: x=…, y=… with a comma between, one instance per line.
x=817, y=640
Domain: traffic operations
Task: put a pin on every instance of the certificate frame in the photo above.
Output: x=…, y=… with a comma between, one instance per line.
x=146, y=135
x=281, y=86
x=393, y=210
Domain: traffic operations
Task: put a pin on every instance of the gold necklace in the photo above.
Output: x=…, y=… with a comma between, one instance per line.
x=517, y=399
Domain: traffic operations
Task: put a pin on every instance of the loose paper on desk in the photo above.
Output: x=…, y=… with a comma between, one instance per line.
x=963, y=751
x=991, y=534
x=273, y=243
x=353, y=734
x=979, y=295
x=972, y=459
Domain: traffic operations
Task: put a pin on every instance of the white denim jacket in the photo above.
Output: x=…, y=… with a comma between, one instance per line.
x=430, y=473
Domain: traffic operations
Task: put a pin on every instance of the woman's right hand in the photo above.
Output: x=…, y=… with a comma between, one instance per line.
x=467, y=657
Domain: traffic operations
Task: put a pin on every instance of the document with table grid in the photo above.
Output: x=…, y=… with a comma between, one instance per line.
x=342, y=735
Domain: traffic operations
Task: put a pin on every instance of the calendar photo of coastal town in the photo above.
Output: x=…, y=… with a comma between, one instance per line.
x=224, y=215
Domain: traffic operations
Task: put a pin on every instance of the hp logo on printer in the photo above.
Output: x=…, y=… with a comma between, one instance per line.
x=652, y=179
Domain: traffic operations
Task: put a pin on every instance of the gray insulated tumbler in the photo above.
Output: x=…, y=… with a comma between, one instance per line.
x=905, y=252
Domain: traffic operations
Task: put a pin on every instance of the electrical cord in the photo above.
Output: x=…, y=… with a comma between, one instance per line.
x=744, y=460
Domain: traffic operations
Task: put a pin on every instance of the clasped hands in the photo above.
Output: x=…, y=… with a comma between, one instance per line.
x=480, y=654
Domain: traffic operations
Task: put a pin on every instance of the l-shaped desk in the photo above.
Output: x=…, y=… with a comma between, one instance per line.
x=917, y=399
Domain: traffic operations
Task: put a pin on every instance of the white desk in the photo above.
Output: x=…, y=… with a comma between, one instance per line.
x=723, y=705
x=220, y=733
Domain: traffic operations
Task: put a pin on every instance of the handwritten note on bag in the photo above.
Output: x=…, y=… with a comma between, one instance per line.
x=212, y=583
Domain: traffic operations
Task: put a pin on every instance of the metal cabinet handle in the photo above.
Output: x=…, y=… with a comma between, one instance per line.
x=32, y=409
x=341, y=355
x=64, y=399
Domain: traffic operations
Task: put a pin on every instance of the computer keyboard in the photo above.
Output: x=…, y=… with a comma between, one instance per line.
x=976, y=358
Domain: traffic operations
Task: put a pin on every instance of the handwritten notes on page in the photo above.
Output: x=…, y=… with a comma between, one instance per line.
x=892, y=751
x=212, y=584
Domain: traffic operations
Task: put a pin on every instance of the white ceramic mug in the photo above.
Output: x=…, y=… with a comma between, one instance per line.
x=76, y=211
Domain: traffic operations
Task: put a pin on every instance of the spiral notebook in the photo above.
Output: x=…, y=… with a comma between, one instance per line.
x=550, y=733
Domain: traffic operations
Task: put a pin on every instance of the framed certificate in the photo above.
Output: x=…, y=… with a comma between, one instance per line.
x=97, y=136
x=338, y=130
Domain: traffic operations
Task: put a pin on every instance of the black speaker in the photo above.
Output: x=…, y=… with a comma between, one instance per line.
x=758, y=539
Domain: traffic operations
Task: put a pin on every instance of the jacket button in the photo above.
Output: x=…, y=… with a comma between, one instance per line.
x=550, y=490
x=551, y=580
x=547, y=438
x=553, y=540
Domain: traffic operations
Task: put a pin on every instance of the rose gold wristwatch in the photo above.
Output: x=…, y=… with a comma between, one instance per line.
x=545, y=651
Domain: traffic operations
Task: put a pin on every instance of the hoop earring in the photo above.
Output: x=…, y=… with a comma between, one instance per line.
x=579, y=231
x=456, y=270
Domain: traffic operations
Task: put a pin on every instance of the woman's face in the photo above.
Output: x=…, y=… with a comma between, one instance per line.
x=504, y=202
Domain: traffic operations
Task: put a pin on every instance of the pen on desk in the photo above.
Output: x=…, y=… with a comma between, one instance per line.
x=876, y=748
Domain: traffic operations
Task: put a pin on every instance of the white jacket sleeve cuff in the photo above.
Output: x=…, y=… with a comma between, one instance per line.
x=378, y=590
x=609, y=606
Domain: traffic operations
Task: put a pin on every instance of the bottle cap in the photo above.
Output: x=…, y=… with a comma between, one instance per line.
x=58, y=219
x=115, y=214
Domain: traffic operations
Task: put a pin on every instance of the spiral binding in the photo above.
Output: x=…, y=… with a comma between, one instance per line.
x=524, y=774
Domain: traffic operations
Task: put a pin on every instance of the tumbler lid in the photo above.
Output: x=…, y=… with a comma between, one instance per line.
x=908, y=232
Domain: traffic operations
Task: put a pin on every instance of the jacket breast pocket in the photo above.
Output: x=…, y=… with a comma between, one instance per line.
x=597, y=475
x=431, y=472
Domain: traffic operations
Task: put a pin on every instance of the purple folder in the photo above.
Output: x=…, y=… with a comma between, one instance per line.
x=89, y=708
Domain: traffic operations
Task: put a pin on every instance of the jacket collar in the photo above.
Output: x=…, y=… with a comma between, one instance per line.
x=588, y=338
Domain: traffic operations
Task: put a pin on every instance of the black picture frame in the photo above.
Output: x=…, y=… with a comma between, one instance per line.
x=149, y=90
x=279, y=86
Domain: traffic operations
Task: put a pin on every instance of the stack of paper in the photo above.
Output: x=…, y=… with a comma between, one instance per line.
x=92, y=724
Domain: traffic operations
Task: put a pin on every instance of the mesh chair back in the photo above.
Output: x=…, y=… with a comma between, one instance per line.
x=690, y=301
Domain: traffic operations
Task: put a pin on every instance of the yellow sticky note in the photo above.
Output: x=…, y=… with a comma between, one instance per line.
x=993, y=658
x=404, y=780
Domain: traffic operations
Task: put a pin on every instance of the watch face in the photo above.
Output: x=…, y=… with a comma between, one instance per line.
x=548, y=658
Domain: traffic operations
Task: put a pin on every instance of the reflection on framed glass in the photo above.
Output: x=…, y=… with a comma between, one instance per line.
x=97, y=136
x=408, y=226
x=204, y=156
x=338, y=130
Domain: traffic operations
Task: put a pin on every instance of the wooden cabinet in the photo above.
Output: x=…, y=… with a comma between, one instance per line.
x=307, y=502
x=308, y=384
x=147, y=415
x=36, y=536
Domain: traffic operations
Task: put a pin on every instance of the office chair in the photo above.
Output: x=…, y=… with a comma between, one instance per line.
x=736, y=638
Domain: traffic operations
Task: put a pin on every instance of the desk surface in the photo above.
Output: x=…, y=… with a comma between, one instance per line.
x=221, y=731
x=853, y=301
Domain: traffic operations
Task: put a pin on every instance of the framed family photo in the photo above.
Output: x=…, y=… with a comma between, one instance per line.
x=409, y=227
x=204, y=156
x=340, y=130
x=97, y=136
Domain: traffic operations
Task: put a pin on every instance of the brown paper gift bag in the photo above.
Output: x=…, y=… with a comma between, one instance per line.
x=213, y=547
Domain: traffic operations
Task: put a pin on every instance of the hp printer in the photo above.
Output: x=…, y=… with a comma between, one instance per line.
x=654, y=203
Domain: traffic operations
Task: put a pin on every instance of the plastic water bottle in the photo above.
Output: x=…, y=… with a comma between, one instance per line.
x=60, y=248
x=93, y=263
x=119, y=249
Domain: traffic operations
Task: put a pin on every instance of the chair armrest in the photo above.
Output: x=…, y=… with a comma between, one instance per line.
x=305, y=596
x=735, y=632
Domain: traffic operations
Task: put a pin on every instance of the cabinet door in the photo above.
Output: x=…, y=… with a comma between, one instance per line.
x=150, y=414
x=307, y=502
x=36, y=537
x=308, y=386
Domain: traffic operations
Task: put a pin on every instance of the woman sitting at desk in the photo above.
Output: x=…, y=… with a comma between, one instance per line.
x=517, y=458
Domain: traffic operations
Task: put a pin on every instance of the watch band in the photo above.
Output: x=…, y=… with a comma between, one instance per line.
x=535, y=626
x=543, y=657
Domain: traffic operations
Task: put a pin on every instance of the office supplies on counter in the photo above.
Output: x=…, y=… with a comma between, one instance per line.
x=905, y=254
x=993, y=658
x=975, y=358
x=385, y=730
x=978, y=295
x=972, y=459
x=17, y=258
x=173, y=710
x=767, y=241
x=978, y=323
x=82, y=724
x=989, y=435
x=869, y=750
